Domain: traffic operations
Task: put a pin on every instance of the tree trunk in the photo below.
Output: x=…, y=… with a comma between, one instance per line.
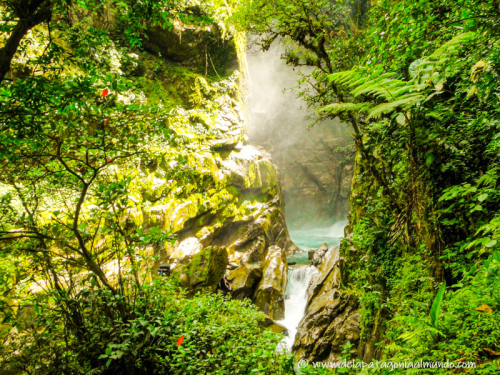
x=30, y=14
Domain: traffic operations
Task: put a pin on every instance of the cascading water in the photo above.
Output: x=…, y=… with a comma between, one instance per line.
x=295, y=304
x=301, y=274
x=278, y=123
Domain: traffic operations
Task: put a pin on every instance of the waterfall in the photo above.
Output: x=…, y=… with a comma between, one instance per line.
x=300, y=276
x=295, y=304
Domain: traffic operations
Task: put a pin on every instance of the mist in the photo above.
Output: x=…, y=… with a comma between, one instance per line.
x=315, y=179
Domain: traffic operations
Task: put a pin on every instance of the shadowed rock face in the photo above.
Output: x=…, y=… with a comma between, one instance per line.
x=332, y=318
x=201, y=48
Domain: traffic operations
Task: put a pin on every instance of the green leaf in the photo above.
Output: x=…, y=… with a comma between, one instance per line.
x=482, y=197
x=429, y=159
x=491, y=243
x=436, y=305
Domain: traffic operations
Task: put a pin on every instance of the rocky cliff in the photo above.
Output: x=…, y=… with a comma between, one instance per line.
x=216, y=193
x=229, y=219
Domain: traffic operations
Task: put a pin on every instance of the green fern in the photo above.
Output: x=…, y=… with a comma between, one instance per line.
x=397, y=94
x=431, y=67
x=452, y=47
x=406, y=103
x=338, y=108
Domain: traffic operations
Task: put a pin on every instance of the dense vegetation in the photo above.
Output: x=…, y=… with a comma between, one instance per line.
x=85, y=114
x=417, y=81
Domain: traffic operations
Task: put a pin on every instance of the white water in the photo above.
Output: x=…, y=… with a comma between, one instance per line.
x=300, y=276
x=295, y=306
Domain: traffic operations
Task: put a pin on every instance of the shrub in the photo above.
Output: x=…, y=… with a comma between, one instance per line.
x=164, y=333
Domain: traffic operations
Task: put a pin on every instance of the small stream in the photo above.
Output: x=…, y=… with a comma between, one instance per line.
x=300, y=274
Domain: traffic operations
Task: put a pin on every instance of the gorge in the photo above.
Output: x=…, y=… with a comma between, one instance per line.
x=265, y=187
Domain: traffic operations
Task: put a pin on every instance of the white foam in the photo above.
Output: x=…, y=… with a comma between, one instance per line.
x=295, y=306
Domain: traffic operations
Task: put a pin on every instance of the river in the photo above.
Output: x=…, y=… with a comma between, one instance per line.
x=299, y=275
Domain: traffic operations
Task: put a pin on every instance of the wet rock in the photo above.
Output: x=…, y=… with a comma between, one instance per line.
x=273, y=326
x=293, y=249
x=242, y=281
x=315, y=256
x=270, y=292
x=318, y=254
x=332, y=317
x=310, y=254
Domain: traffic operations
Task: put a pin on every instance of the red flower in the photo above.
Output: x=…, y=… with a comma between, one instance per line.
x=308, y=129
x=179, y=342
x=109, y=160
x=105, y=92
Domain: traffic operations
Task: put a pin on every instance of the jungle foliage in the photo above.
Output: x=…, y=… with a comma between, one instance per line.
x=78, y=293
x=416, y=80
x=418, y=83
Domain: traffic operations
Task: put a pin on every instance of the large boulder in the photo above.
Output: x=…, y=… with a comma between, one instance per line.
x=315, y=256
x=270, y=292
x=332, y=317
x=204, y=270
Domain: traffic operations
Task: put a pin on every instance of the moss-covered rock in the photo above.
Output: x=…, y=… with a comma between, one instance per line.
x=205, y=269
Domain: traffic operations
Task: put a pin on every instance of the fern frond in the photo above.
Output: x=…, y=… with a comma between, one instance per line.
x=405, y=103
x=379, y=88
x=341, y=77
x=358, y=82
x=401, y=90
x=338, y=108
x=451, y=47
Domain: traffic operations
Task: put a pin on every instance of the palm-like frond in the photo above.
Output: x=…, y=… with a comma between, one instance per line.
x=397, y=94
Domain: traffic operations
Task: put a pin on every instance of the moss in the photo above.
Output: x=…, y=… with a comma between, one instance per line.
x=201, y=91
x=268, y=176
x=240, y=43
x=205, y=269
x=253, y=177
